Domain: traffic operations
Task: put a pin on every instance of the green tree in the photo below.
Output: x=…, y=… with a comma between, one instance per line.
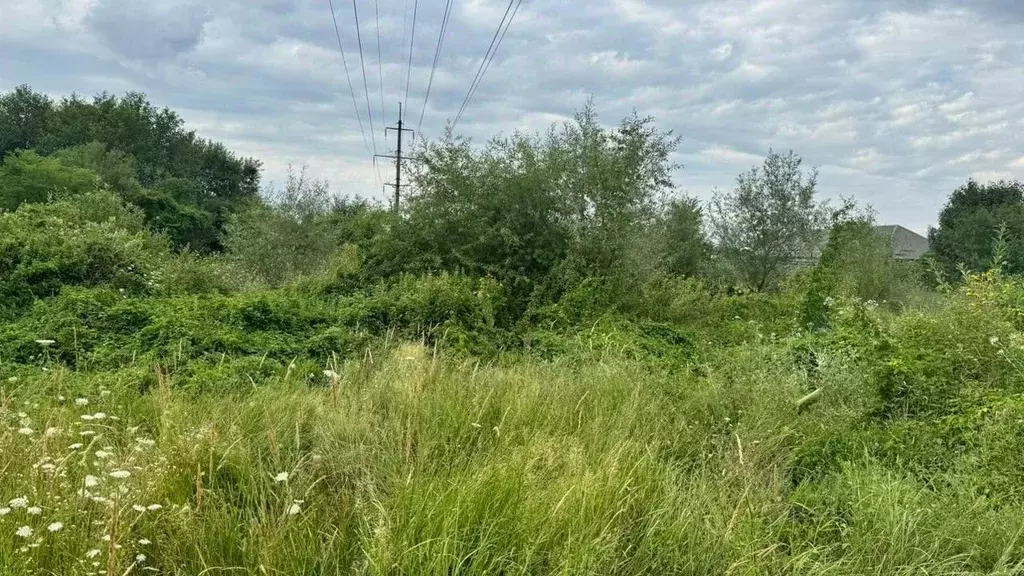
x=159, y=148
x=27, y=177
x=686, y=247
x=770, y=221
x=24, y=115
x=969, y=222
x=284, y=238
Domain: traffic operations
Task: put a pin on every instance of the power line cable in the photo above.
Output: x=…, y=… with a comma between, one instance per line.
x=499, y=35
x=412, y=41
x=380, y=62
x=433, y=67
x=351, y=88
x=366, y=88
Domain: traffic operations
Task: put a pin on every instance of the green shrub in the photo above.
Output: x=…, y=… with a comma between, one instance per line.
x=90, y=240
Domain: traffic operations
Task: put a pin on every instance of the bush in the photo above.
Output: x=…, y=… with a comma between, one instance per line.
x=26, y=177
x=90, y=240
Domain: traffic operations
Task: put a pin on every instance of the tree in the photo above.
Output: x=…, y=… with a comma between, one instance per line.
x=283, y=239
x=27, y=177
x=114, y=130
x=685, y=246
x=770, y=221
x=969, y=222
x=24, y=115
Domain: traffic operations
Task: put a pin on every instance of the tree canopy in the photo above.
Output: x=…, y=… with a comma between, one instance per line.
x=969, y=224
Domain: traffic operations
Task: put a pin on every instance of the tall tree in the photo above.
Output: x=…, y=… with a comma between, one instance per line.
x=686, y=247
x=769, y=221
x=969, y=222
x=24, y=115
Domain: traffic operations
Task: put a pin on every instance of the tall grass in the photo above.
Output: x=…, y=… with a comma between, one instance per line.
x=416, y=465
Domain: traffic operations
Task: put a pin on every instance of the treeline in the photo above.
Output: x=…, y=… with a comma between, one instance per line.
x=525, y=230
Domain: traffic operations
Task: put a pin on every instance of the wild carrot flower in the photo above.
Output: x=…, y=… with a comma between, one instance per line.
x=153, y=507
x=34, y=511
x=18, y=503
x=5, y=511
x=281, y=477
x=92, y=553
x=91, y=481
x=25, y=431
x=75, y=446
x=294, y=509
x=24, y=532
x=138, y=508
x=81, y=401
x=120, y=474
x=55, y=527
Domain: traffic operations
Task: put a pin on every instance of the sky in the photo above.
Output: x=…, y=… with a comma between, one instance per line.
x=895, y=102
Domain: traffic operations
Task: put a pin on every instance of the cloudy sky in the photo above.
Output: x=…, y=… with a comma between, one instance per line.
x=896, y=102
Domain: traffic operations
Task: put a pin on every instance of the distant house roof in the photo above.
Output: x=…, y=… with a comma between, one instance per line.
x=906, y=244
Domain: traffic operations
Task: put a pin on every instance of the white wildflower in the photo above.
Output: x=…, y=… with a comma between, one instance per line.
x=5, y=511
x=120, y=474
x=52, y=431
x=281, y=477
x=87, y=433
x=86, y=417
x=34, y=510
x=24, y=532
x=138, y=508
x=104, y=393
x=19, y=503
x=144, y=542
x=99, y=416
x=140, y=558
x=91, y=481
x=48, y=467
x=26, y=431
x=153, y=507
x=61, y=398
x=294, y=509
x=22, y=415
x=92, y=553
x=994, y=340
x=81, y=401
x=75, y=446
x=106, y=537
x=55, y=527
x=44, y=342
x=103, y=454
x=330, y=373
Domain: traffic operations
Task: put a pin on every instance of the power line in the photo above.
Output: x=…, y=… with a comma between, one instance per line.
x=366, y=88
x=412, y=40
x=433, y=67
x=380, y=62
x=351, y=88
x=499, y=35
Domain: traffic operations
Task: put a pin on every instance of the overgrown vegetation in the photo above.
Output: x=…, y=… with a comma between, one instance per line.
x=546, y=363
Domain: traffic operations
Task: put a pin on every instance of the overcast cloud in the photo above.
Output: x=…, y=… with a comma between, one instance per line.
x=896, y=102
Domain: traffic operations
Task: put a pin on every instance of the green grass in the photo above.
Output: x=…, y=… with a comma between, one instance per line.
x=413, y=464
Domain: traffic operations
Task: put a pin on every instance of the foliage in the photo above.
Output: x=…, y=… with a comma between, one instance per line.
x=24, y=115
x=26, y=177
x=536, y=213
x=137, y=150
x=969, y=222
x=86, y=240
x=770, y=221
x=857, y=262
x=685, y=245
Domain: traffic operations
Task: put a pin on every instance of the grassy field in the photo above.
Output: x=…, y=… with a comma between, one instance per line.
x=412, y=461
